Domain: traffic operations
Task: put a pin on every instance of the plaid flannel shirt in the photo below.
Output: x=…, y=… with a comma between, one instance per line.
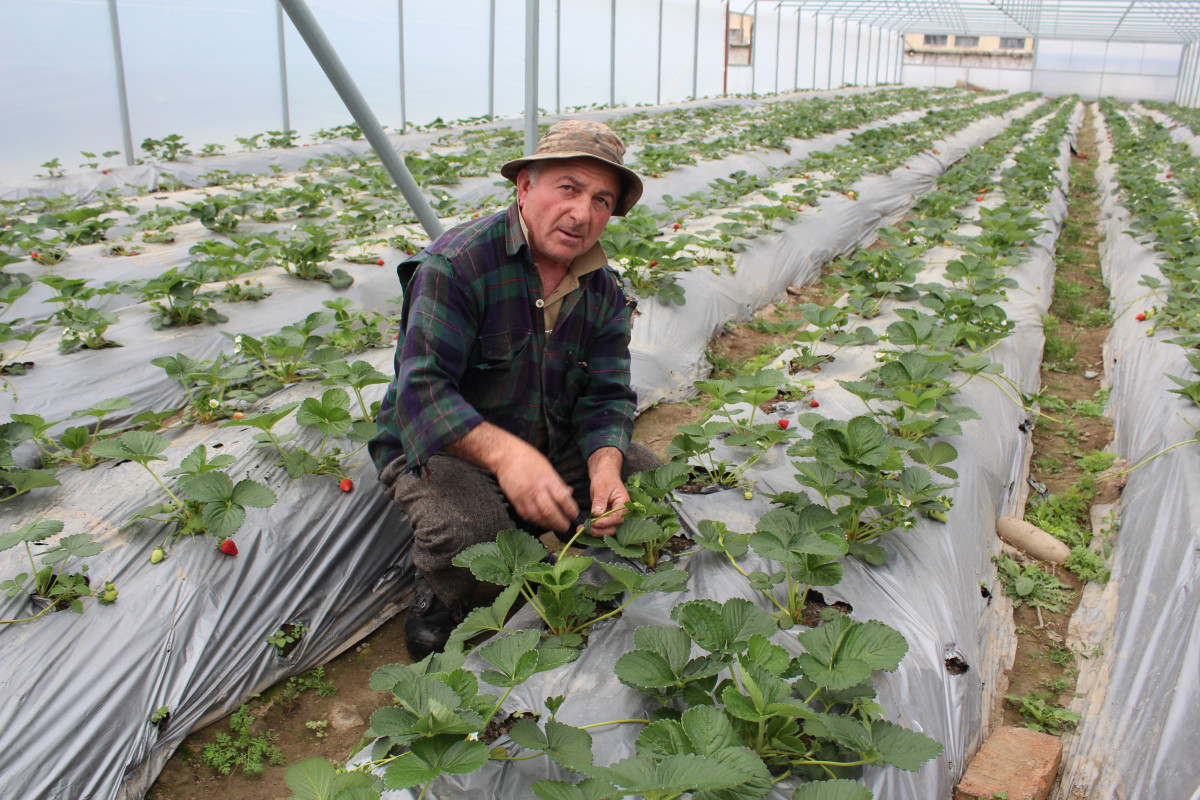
x=473, y=348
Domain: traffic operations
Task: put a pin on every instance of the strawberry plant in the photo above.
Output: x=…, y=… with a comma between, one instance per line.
x=83, y=324
x=211, y=502
x=812, y=717
x=178, y=297
x=211, y=386
x=168, y=148
x=858, y=471
x=74, y=445
x=566, y=605
x=52, y=586
x=304, y=256
x=220, y=213
x=650, y=521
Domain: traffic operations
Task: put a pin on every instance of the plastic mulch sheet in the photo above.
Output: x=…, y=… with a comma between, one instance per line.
x=1139, y=690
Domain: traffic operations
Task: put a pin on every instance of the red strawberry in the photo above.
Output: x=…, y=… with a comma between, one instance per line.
x=676, y=226
x=1141, y=317
x=935, y=152
x=783, y=423
x=654, y=262
x=979, y=198
x=656, y=174
x=228, y=547
x=34, y=255
x=380, y=262
x=345, y=484
x=105, y=172
x=238, y=415
x=814, y=403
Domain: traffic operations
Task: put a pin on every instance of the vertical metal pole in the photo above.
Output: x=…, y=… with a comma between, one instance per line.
x=283, y=86
x=531, y=75
x=796, y=78
x=492, y=60
x=1192, y=88
x=867, y=71
x=1104, y=67
x=845, y=47
x=1181, y=87
x=1190, y=83
x=900, y=59
x=557, y=56
x=658, y=74
x=1189, y=87
x=857, y=53
x=403, y=91
x=754, y=52
x=880, y=64
x=778, y=33
x=612, y=56
x=816, y=33
x=829, y=66
x=335, y=70
x=696, y=54
x=122, y=99
x=1178, y=76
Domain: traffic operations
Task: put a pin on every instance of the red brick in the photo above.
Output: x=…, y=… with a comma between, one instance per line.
x=1016, y=762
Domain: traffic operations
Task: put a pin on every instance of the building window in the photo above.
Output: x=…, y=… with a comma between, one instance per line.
x=966, y=41
x=934, y=39
x=1011, y=44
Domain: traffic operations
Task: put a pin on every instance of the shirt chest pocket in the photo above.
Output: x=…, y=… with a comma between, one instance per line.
x=499, y=372
x=566, y=380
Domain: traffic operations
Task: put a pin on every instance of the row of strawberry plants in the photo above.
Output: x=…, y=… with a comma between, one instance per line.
x=651, y=248
x=351, y=197
x=756, y=706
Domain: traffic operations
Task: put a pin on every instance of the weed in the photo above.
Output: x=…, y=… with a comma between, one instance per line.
x=1093, y=408
x=1048, y=465
x=1031, y=585
x=1041, y=715
x=314, y=679
x=241, y=748
x=1096, y=461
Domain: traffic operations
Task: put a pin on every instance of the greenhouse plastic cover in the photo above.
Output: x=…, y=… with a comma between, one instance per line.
x=930, y=587
x=1140, y=734
x=79, y=690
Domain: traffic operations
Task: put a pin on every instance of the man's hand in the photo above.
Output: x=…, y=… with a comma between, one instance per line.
x=608, y=490
x=527, y=478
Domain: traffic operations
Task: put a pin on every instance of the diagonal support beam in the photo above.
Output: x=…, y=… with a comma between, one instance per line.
x=356, y=104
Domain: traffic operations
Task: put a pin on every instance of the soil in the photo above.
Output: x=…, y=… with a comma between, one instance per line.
x=1042, y=663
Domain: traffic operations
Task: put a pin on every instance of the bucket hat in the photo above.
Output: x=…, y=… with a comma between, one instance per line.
x=581, y=138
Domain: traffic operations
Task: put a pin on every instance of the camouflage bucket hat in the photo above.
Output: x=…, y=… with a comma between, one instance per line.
x=579, y=138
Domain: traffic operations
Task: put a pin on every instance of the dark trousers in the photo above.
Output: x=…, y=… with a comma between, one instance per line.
x=457, y=504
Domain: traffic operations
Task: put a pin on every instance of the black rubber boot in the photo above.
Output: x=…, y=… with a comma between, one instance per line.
x=430, y=621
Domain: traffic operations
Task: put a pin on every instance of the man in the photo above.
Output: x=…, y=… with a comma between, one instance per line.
x=511, y=406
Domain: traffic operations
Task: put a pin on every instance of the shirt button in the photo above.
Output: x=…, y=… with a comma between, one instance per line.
x=540, y=303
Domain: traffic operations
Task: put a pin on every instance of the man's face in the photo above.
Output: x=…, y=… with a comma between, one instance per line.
x=567, y=206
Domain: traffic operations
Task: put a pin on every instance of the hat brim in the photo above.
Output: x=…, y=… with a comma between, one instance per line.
x=631, y=184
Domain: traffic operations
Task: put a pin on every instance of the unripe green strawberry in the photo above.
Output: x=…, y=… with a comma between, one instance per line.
x=158, y=555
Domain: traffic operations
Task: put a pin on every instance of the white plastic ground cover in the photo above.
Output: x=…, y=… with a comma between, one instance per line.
x=1138, y=694
x=929, y=589
x=78, y=691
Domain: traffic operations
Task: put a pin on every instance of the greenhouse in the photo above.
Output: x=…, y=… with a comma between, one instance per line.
x=905, y=301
